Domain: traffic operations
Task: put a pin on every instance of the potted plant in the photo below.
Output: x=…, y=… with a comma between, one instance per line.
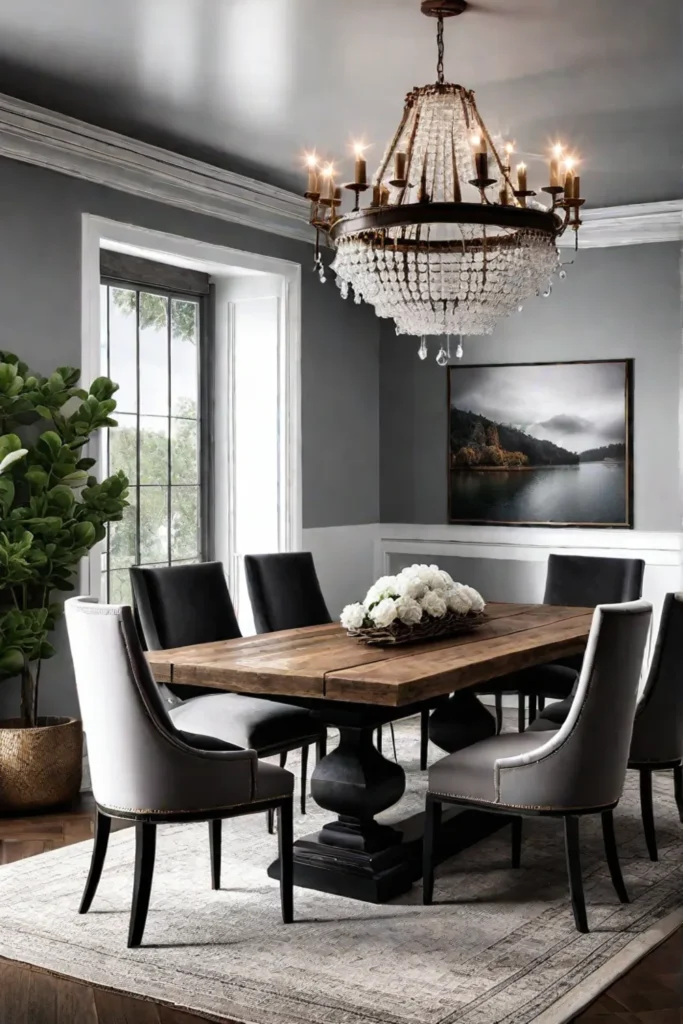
x=51, y=513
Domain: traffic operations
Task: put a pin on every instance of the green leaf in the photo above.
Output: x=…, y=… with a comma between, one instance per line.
x=51, y=443
x=11, y=661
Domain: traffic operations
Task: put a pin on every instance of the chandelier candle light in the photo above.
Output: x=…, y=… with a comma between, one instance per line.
x=450, y=243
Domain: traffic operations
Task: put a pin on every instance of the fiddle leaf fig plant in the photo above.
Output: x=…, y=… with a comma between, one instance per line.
x=52, y=510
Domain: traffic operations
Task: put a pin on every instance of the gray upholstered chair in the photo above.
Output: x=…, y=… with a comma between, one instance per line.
x=581, y=581
x=566, y=773
x=181, y=605
x=657, y=741
x=146, y=770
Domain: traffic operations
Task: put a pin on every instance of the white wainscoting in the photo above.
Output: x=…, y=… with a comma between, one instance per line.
x=522, y=553
x=511, y=560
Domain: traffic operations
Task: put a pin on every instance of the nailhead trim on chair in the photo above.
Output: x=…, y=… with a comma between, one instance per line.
x=517, y=807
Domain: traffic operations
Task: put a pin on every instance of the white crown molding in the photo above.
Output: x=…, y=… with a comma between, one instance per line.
x=42, y=137
x=47, y=139
x=629, y=225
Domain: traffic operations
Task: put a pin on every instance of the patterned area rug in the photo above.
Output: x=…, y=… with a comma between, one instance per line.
x=499, y=946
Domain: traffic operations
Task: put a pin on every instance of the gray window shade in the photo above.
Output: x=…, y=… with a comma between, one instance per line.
x=119, y=266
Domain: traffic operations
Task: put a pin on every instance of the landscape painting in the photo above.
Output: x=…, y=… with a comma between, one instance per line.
x=545, y=444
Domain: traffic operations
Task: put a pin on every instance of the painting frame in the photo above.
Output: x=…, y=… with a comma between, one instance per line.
x=629, y=381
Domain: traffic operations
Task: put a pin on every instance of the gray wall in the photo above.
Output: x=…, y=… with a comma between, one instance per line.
x=40, y=299
x=615, y=303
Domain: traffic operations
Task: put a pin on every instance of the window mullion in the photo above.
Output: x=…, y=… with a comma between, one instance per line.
x=168, y=463
x=137, y=428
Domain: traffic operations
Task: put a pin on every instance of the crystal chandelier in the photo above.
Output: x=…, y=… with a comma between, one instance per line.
x=449, y=243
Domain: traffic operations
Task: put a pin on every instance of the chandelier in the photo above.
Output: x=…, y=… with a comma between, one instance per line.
x=449, y=243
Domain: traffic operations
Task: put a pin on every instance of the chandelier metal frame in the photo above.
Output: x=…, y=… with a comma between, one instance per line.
x=435, y=263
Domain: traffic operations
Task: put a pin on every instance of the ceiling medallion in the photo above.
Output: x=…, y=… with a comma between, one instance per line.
x=449, y=243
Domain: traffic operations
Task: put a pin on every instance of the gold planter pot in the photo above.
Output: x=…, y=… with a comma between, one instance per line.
x=40, y=767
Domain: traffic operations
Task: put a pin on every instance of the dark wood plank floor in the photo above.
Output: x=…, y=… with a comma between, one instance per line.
x=651, y=992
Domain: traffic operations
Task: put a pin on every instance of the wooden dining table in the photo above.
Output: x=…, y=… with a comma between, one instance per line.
x=357, y=688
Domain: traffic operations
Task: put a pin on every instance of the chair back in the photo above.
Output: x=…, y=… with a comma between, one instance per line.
x=584, y=582
x=285, y=591
x=181, y=605
x=658, y=727
x=583, y=764
x=138, y=762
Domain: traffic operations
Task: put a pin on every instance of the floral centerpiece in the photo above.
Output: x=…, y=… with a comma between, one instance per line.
x=422, y=602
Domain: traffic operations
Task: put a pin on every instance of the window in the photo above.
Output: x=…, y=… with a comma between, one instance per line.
x=150, y=342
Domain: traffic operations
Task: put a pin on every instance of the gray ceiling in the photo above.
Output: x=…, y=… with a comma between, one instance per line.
x=248, y=84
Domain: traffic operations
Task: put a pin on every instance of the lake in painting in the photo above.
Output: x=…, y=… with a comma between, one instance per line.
x=541, y=444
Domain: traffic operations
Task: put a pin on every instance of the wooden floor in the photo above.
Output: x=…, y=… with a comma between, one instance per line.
x=651, y=992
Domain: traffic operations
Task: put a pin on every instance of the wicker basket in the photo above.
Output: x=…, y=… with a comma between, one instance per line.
x=428, y=629
x=39, y=767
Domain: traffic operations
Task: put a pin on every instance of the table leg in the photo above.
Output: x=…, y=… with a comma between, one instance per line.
x=355, y=855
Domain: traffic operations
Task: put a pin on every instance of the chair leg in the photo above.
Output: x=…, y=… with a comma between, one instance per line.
x=499, y=713
x=304, y=777
x=521, y=712
x=612, y=855
x=647, y=813
x=379, y=739
x=424, y=738
x=321, y=747
x=571, y=844
x=215, y=837
x=145, y=846
x=285, y=841
x=532, y=708
x=432, y=823
x=517, y=841
x=283, y=758
x=99, y=852
x=393, y=740
x=270, y=813
x=678, y=790
x=541, y=704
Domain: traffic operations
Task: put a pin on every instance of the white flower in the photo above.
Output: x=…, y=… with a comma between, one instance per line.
x=434, y=604
x=408, y=610
x=458, y=600
x=408, y=585
x=438, y=579
x=476, y=600
x=384, y=613
x=353, y=616
x=384, y=587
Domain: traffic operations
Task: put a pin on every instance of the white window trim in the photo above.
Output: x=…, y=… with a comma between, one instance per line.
x=99, y=232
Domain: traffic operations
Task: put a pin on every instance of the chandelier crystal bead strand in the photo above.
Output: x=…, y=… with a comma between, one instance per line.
x=450, y=243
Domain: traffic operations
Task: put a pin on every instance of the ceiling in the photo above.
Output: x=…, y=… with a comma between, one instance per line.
x=249, y=84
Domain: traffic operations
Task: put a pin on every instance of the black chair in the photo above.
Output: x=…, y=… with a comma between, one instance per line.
x=285, y=593
x=182, y=605
x=576, y=581
x=657, y=741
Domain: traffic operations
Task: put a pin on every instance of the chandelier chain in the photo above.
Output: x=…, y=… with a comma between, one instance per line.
x=439, y=42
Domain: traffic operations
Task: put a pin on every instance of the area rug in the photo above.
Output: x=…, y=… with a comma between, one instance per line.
x=498, y=946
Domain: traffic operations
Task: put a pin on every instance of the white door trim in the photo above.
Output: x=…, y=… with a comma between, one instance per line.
x=99, y=231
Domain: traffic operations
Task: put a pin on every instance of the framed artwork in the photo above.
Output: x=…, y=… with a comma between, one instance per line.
x=541, y=444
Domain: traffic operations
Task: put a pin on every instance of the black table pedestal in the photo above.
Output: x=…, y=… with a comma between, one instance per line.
x=355, y=855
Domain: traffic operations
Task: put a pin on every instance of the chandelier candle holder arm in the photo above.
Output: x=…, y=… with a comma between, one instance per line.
x=438, y=249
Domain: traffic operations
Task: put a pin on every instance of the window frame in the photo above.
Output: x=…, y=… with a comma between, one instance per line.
x=205, y=342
